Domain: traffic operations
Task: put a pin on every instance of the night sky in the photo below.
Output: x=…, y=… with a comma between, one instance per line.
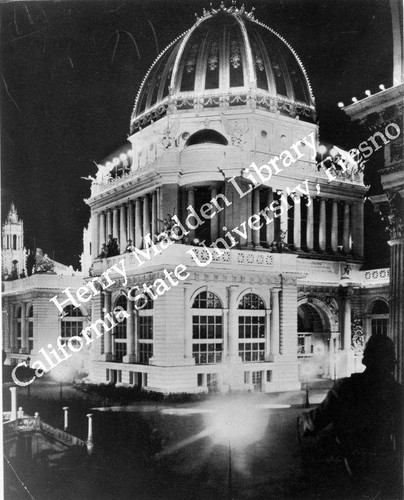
x=71, y=72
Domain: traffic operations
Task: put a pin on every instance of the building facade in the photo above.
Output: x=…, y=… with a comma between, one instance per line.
x=224, y=143
x=30, y=321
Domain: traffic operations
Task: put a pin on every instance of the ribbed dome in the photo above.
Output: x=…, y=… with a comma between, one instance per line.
x=226, y=58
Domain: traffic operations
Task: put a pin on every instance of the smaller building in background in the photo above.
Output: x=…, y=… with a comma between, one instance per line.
x=30, y=321
x=14, y=254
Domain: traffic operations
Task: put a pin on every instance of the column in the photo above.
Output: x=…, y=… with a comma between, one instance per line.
x=129, y=215
x=255, y=210
x=225, y=329
x=233, y=325
x=24, y=340
x=95, y=246
x=268, y=346
x=188, y=323
x=103, y=238
x=146, y=216
x=13, y=339
x=297, y=239
x=135, y=334
x=7, y=331
x=138, y=224
x=396, y=317
x=129, y=358
x=284, y=222
x=334, y=227
x=249, y=210
x=122, y=228
x=347, y=321
x=274, y=343
x=154, y=225
x=13, y=391
x=357, y=229
x=90, y=444
x=346, y=234
x=191, y=201
x=115, y=223
x=310, y=225
x=321, y=233
x=107, y=334
x=271, y=226
x=109, y=224
x=214, y=222
x=65, y=417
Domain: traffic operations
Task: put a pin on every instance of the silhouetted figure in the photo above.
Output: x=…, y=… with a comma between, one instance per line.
x=104, y=252
x=109, y=244
x=129, y=247
x=365, y=411
x=114, y=248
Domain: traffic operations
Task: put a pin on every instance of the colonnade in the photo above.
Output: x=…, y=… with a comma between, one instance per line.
x=135, y=219
x=352, y=223
x=131, y=220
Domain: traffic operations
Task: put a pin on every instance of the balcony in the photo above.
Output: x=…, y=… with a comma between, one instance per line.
x=247, y=259
x=42, y=281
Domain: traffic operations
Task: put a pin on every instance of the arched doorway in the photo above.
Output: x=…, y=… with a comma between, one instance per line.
x=313, y=342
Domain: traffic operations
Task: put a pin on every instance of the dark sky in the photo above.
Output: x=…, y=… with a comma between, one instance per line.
x=71, y=71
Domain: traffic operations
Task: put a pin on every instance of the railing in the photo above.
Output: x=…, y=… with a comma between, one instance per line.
x=61, y=436
x=42, y=281
x=180, y=253
x=378, y=275
x=9, y=428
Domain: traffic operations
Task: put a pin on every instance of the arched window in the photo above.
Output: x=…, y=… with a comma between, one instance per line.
x=120, y=333
x=145, y=337
x=19, y=328
x=71, y=324
x=379, y=318
x=31, y=328
x=208, y=136
x=14, y=242
x=251, y=328
x=207, y=329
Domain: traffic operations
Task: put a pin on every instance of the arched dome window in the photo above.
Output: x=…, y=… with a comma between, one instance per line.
x=120, y=334
x=251, y=328
x=207, y=329
x=206, y=136
x=380, y=307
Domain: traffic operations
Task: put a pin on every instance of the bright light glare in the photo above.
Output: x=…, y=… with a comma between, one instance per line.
x=237, y=424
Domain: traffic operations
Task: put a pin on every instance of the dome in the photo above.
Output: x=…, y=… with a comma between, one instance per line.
x=226, y=58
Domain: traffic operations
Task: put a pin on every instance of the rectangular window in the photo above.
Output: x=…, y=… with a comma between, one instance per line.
x=120, y=351
x=107, y=375
x=145, y=352
x=269, y=375
x=380, y=326
x=206, y=327
x=200, y=379
x=251, y=327
x=30, y=336
x=247, y=377
x=251, y=351
x=146, y=327
x=207, y=353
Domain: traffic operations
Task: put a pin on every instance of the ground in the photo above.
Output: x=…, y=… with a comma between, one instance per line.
x=178, y=451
